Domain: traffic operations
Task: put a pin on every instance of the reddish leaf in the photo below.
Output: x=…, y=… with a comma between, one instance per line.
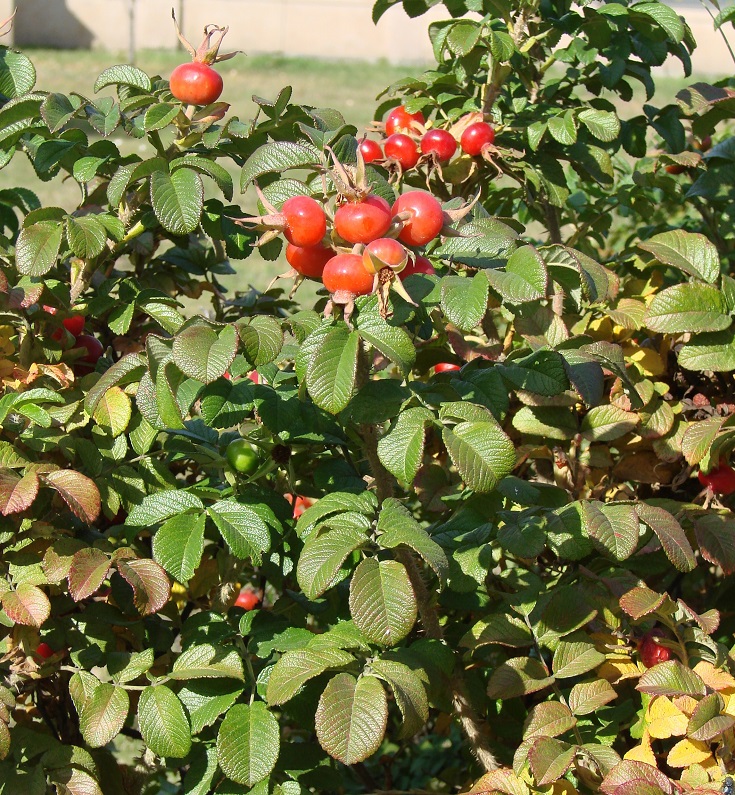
x=671, y=535
x=716, y=538
x=17, y=493
x=628, y=771
x=89, y=568
x=708, y=622
x=27, y=605
x=503, y=781
x=58, y=558
x=78, y=492
x=23, y=297
x=149, y=582
x=639, y=602
x=639, y=786
x=550, y=759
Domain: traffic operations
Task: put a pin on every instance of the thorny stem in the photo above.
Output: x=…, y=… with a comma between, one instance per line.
x=472, y=725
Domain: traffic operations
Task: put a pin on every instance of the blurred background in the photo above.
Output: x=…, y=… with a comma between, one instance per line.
x=329, y=51
x=337, y=28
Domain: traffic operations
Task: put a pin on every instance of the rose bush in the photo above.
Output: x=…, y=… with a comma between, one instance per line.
x=470, y=496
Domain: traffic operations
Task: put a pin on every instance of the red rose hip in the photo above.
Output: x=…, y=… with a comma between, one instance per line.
x=308, y=260
x=362, y=222
x=720, y=479
x=195, y=83
x=370, y=150
x=439, y=143
x=400, y=120
x=346, y=273
x=305, y=222
x=652, y=652
x=402, y=149
x=476, y=137
x=425, y=217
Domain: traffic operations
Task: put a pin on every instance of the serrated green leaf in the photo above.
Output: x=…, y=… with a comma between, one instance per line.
x=206, y=699
x=177, y=199
x=163, y=722
x=113, y=411
x=243, y=529
x=401, y=450
x=331, y=372
x=542, y=372
x=38, y=247
x=482, y=453
x=689, y=307
x=295, y=668
x=160, y=115
x=603, y=124
x=563, y=128
x=382, y=601
x=464, y=300
x=408, y=691
x=277, y=156
x=248, y=743
x=103, y=715
x=351, y=717
x=613, y=528
x=123, y=74
x=323, y=555
x=709, y=351
x=689, y=252
x=392, y=341
x=524, y=278
x=205, y=353
x=162, y=505
x=574, y=657
x=262, y=339
x=178, y=545
x=206, y=661
x=605, y=423
x=17, y=73
x=398, y=528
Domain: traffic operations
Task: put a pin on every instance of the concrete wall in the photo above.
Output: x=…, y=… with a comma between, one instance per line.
x=324, y=28
x=332, y=28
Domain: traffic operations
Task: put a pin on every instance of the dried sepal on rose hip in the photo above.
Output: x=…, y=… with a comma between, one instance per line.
x=6, y=25
x=196, y=83
x=301, y=220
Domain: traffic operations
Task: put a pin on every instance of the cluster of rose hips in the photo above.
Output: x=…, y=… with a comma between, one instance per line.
x=361, y=244
x=91, y=346
x=407, y=139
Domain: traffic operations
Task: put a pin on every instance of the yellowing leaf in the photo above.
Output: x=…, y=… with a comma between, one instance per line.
x=563, y=788
x=615, y=670
x=688, y=752
x=713, y=677
x=649, y=362
x=601, y=328
x=695, y=776
x=643, y=752
x=686, y=704
x=729, y=696
x=665, y=720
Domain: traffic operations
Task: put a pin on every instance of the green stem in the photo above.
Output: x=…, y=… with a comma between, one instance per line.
x=722, y=32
